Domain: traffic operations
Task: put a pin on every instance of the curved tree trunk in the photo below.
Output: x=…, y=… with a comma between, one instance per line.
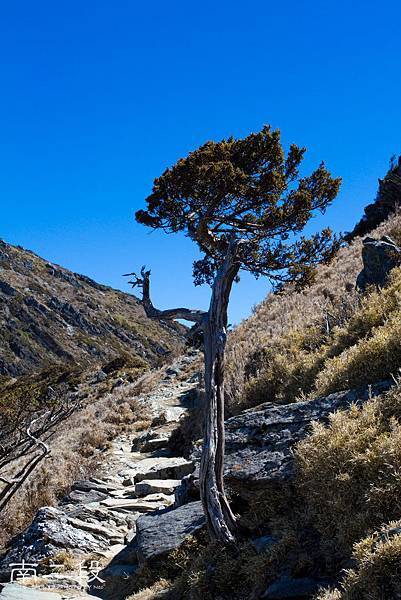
x=220, y=519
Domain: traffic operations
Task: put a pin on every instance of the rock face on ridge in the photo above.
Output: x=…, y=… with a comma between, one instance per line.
x=50, y=315
x=379, y=257
x=387, y=200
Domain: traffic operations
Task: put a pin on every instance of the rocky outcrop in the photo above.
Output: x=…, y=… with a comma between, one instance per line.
x=160, y=533
x=259, y=441
x=387, y=200
x=379, y=258
x=52, y=532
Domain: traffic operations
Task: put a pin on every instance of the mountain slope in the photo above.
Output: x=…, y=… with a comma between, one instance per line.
x=50, y=315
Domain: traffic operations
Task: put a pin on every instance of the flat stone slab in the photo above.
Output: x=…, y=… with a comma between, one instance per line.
x=162, y=468
x=151, y=486
x=141, y=505
x=95, y=528
x=87, y=485
x=160, y=533
x=85, y=497
x=14, y=591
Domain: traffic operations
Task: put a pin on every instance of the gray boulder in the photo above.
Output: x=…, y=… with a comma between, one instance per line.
x=160, y=533
x=379, y=257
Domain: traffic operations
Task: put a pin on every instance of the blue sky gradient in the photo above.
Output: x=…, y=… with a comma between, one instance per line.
x=98, y=98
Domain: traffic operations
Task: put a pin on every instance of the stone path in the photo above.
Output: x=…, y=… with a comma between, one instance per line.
x=98, y=517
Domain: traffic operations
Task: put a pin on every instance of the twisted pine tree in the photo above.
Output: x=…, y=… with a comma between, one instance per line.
x=244, y=204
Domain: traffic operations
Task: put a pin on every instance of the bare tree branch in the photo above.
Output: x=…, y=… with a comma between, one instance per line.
x=143, y=282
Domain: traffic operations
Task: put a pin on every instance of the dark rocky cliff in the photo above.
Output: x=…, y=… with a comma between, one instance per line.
x=387, y=201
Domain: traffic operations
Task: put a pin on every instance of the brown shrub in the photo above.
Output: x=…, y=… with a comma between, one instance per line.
x=227, y=574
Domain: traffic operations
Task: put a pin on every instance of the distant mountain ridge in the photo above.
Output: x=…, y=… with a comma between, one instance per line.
x=49, y=315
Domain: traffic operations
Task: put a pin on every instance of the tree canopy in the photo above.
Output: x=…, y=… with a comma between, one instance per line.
x=252, y=189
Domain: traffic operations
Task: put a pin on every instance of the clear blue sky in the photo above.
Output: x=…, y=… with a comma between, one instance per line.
x=98, y=98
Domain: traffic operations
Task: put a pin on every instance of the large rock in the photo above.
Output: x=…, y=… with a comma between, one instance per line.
x=51, y=532
x=387, y=200
x=160, y=533
x=259, y=441
x=379, y=257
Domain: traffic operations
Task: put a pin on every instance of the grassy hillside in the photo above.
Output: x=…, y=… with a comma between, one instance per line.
x=326, y=338
x=50, y=315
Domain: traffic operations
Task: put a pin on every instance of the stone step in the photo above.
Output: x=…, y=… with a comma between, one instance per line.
x=96, y=529
x=155, y=443
x=152, y=486
x=87, y=485
x=147, y=504
x=162, y=468
x=88, y=497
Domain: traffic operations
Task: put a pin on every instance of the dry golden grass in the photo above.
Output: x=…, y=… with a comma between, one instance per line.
x=349, y=473
x=155, y=591
x=377, y=572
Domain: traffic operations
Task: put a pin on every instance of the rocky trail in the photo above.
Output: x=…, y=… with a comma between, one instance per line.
x=112, y=523
x=145, y=503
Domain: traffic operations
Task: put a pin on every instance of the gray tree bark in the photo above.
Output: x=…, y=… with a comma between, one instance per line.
x=220, y=519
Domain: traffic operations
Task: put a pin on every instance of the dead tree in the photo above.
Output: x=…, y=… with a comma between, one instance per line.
x=26, y=447
x=242, y=201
